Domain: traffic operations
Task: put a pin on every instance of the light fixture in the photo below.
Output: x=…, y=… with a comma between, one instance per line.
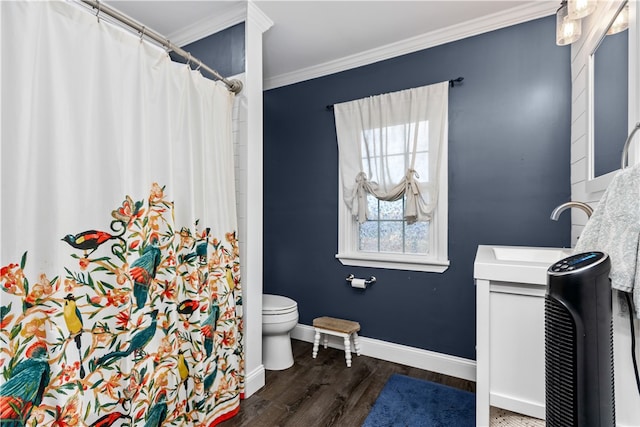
x=621, y=22
x=567, y=30
x=578, y=9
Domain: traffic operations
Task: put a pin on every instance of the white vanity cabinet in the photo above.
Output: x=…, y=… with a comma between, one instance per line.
x=510, y=290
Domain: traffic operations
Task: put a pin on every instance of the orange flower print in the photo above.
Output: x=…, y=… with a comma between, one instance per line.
x=122, y=319
x=162, y=380
x=117, y=297
x=70, y=285
x=171, y=258
x=111, y=386
x=84, y=263
x=228, y=339
x=34, y=328
x=38, y=414
x=231, y=237
x=153, y=222
x=229, y=313
x=157, y=192
x=99, y=337
x=129, y=211
x=68, y=372
x=199, y=387
x=131, y=391
x=40, y=290
x=11, y=277
x=69, y=415
x=194, y=279
x=170, y=290
x=214, y=261
x=165, y=348
x=185, y=238
x=6, y=320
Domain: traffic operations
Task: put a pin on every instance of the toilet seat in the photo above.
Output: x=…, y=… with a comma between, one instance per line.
x=277, y=304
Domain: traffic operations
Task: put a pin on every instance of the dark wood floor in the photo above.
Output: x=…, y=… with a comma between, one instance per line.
x=324, y=392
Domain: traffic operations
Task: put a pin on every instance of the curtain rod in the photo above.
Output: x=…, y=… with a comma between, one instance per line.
x=452, y=83
x=233, y=85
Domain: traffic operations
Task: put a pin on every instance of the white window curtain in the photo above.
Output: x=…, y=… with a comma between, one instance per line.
x=389, y=147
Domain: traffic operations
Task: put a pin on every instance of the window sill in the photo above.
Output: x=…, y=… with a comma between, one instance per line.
x=394, y=262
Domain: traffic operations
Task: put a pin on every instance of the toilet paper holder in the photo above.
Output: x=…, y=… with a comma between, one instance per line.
x=367, y=282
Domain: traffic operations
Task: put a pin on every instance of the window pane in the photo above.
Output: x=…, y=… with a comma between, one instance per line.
x=417, y=238
x=423, y=136
x=392, y=210
x=391, y=238
x=372, y=204
x=422, y=166
x=368, y=241
x=397, y=168
x=396, y=140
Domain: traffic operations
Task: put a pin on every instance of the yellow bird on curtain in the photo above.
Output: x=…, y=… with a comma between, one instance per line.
x=183, y=370
x=73, y=319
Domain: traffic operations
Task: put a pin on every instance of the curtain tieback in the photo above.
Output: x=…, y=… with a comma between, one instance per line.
x=361, y=196
x=410, y=182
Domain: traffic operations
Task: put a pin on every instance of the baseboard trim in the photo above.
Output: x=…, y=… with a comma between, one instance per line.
x=518, y=405
x=254, y=381
x=411, y=356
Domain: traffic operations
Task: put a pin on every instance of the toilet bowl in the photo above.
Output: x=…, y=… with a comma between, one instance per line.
x=279, y=317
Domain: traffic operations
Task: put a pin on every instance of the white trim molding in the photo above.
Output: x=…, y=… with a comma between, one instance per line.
x=254, y=381
x=209, y=25
x=252, y=267
x=470, y=28
x=410, y=356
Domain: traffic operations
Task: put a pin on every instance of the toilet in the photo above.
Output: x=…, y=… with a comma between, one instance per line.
x=279, y=317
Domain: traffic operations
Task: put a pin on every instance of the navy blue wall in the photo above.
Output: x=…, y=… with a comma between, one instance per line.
x=509, y=166
x=223, y=51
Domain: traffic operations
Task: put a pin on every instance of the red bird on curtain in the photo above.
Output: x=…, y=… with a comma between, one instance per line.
x=90, y=240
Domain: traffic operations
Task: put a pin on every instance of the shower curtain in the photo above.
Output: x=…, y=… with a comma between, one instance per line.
x=120, y=297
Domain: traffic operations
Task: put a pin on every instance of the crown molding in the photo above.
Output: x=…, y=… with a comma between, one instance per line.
x=460, y=31
x=257, y=16
x=209, y=25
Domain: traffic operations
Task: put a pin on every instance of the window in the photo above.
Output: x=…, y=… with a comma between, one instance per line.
x=395, y=159
x=387, y=231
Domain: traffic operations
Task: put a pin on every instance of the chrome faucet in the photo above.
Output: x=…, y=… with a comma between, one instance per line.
x=558, y=210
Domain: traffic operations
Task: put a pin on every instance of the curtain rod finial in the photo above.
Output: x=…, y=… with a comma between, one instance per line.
x=235, y=86
x=454, y=81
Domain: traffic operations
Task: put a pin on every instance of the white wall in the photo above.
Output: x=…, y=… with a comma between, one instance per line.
x=249, y=175
x=590, y=190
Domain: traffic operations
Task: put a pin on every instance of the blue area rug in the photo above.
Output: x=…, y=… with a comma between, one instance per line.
x=410, y=402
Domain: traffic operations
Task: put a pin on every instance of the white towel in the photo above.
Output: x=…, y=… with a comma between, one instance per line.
x=614, y=228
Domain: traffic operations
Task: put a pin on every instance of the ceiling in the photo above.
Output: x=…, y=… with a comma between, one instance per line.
x=310, y=38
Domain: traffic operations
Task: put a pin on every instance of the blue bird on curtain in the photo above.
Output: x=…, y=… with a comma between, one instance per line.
x=143, y=271
x=209, y=327
x=158, y=411
x=25, y=386
x=136, y=344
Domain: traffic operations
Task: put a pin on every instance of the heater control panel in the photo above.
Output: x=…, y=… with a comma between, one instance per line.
x=578, y=261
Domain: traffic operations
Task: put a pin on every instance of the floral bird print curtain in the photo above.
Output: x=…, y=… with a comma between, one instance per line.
x=143, y=328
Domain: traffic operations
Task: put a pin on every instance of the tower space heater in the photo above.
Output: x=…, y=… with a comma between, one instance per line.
x=579, y=389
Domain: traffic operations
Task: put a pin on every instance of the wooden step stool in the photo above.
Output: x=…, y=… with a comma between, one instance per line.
x=339, y=328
